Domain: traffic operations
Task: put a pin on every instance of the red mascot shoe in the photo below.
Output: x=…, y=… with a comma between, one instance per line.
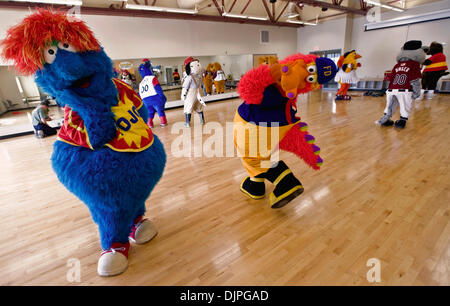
x=163, y=120
x=150, y=122
x=114, y=261
x=142, y=231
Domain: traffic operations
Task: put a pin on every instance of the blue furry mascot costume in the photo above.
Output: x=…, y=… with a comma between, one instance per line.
x=105, y=153
x=152, y=94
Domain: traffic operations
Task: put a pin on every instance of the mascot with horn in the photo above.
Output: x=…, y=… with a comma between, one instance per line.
x=105, y=153
x=267, y=120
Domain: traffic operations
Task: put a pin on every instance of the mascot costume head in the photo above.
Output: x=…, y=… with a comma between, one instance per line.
x=269, y=112
x=105, y=153
x=151, y=93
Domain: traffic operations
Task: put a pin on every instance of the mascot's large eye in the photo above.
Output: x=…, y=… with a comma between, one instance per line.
x=66, y=46
x=312, y=69
x=50, y=54
x=311, y=79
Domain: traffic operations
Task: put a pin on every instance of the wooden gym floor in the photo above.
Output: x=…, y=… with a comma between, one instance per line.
x=381, y=193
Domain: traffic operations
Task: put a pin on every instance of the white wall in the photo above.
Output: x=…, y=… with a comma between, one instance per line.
x=130, y=37
x=378, y=48
x=326, y=35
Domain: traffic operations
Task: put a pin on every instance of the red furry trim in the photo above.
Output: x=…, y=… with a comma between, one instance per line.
x=308, y=58
x=25, y=42
x=252, y=84
x=295, y=142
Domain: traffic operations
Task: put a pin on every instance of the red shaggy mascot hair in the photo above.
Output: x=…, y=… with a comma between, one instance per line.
x=252, y=84
x=25, y=42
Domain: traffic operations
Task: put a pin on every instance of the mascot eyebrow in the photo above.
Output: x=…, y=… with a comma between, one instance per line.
x=25, y=43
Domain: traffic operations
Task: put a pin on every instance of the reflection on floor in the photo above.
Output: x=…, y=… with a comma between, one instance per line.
x=382, y=193
x=19, y=122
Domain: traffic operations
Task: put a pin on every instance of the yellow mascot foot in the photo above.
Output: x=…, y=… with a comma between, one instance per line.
x=287, y=186
x=254, y=187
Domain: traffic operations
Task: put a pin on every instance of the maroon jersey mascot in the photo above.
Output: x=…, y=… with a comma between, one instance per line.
x=404, y=84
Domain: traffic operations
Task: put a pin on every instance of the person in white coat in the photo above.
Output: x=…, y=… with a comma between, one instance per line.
x=190, y=93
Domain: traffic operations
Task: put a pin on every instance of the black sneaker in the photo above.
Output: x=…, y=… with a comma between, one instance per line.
x=255, y=190
x=287, y=189
x=400, y=124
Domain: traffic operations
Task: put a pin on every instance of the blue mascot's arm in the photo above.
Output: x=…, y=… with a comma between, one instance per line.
x=160, y=93
x=143, y=112
x=97, y=117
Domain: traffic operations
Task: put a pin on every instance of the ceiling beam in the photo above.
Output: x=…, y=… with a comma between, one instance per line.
x=232, y=5
x=218, y=7
x=85, y=10
x=245, y=7
x=282, y=11
x=267, y=10
x=330, y=6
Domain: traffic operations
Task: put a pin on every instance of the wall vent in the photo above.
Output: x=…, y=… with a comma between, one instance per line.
x=264, y=37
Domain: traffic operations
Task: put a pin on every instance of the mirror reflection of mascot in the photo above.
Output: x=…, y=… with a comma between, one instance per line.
x=268, y=60
x=219, y=78
x=105, y=153
x=404, y=84
x=152, y=94
x=435, y=68
x=267, y=119
x=190, y=93
x=208, y=79
x=346, y=75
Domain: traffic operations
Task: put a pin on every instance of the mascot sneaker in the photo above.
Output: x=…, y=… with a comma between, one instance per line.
x=114, y=261
x=150, y=122
x=163, y=120
x=347, y=97
x=400, y=124
x=142, y=231
x=254, y=187
x=430, y=94
x=287, y=186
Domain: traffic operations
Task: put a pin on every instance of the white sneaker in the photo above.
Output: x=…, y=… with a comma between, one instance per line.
x=113, y=261
x=143, y=231
x=422, y=93
x=430, y=94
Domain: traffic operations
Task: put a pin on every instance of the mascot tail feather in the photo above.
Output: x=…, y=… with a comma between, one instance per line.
x=299, y=142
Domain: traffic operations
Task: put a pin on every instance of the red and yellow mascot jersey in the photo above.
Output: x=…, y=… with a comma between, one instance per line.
x=132, y=135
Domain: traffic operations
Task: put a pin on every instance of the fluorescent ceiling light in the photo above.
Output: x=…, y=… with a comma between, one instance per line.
x=64, y=2
x=394, y=8
x=293, y=15
x=301, y=22
x=257, y=18
x=234, y=15
x=243, y=16
x=160, y=9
